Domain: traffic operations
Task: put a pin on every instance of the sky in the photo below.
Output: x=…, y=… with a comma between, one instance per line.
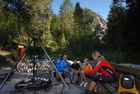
x=101, y=7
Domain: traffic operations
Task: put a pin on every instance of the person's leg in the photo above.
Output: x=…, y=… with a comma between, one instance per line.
x=102, y=79
x=67, y=80
x=73, y=78
x=76, y=74
x=85, y=80
x=91, y=88
x=82, y=79
x=95, y=90
x=57, y=75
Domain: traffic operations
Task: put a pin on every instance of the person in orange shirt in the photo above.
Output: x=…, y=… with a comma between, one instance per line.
x=86, y=67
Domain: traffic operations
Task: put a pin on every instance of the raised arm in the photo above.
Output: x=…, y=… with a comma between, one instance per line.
x=94, y=70
x=90, y=67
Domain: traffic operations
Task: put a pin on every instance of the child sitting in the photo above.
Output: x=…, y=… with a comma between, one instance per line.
x=75, y=67
x=86, y=67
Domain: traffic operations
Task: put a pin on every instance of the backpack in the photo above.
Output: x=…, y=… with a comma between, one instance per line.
x=127, y=84
x=111, y=72
x=127, y=81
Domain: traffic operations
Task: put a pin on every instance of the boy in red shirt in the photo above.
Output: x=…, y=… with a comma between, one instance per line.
x=103, y=72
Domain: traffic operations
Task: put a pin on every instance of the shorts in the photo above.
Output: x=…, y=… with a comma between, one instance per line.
x=101, y=78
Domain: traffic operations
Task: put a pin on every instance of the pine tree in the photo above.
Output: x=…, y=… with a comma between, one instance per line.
x=115, y=26
x=78, y=20
x=56, y=29
x=66, y=21
x=9, y=20
x=40, y=19
x=132, y=27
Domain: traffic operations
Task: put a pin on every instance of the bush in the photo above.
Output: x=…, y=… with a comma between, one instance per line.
x=114, y=57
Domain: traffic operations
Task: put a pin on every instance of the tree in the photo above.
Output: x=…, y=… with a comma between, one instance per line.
x=115, y=26
x=26, y=17
x=78, y=20
x=132, y=27
x=123, y=29
x=7, y=29
x=40, y=14
x=56, y=29
x=10, y=11
x=66, y=21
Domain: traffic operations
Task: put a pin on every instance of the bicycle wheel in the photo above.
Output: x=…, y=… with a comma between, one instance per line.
x=22, y=67
x=46, y=66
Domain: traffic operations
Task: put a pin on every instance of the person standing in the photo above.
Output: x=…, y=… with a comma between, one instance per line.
x=21, y=51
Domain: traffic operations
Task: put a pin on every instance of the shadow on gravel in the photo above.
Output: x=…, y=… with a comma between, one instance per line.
x=7, y=61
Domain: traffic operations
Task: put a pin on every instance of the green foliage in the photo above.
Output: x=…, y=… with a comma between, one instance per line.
x=66, y=21
x=70, y=31
x=40, y=19
x=78, y=20
x=7, y=28
x=75, y=30
x=115, y=27
x=114, y=57
x=123, y=29
x=56, y=29
x=131, y=33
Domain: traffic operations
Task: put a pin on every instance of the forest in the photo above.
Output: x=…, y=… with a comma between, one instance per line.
x=75, y=30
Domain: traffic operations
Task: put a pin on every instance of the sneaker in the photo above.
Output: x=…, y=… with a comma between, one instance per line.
x=82, y=83
x=85, y=84
x=73, y=82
